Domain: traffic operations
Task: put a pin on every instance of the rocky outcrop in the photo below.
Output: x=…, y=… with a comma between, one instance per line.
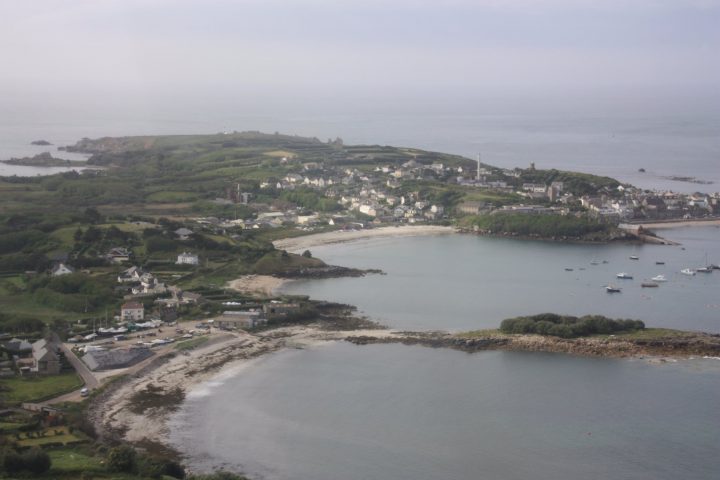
x=682, y=345
x=328, y=271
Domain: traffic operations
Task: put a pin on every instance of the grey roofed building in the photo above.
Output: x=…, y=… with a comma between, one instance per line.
x=45, y=358
x=16, y=346
x=119, y=358
x=183, y=233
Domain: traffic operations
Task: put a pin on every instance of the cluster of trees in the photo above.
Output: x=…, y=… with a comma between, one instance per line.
x=125, y=460
x=34, y=461
x=311, y=200
x=20, y=324
x=568, y=326
x=76, y=292
x=540, y=225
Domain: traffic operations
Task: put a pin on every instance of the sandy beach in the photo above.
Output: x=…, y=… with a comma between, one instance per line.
x=258, y=285
x=115, y=412
x=299, y=244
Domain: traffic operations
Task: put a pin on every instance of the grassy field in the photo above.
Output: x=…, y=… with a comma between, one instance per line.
x=74, y=460
x=489, y=332
x=37, y=388
x=652, y=334
x=53, y=435
x=8, y=426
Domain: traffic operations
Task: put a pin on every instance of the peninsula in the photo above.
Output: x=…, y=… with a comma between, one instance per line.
x=140, y=278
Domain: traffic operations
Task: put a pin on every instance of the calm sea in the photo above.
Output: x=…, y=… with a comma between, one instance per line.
x=395, y=412
x=464, y=282
x=391, y=411
x=618, y=145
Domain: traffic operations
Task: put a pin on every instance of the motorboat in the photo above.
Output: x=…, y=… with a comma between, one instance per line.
x=704, y=269
x=687, y=271
x=624, y=276
x=649, y=285
x=613, y=289
x=659, y=278
x=634, y=257
x=659, y=263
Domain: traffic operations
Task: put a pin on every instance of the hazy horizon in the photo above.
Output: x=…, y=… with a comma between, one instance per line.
x=145, y=57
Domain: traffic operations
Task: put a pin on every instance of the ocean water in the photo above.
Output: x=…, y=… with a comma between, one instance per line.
x=617, y=144
x=393, y=411
x=466, y=282
x=396, y=412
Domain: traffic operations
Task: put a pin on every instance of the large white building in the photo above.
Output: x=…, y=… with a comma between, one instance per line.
x=187, y=258
x=132, y=312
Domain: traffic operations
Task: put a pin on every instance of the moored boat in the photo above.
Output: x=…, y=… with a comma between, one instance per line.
x=612, y=289
x=624, y=276
x=659, y=278
x=634, y=257
x=704, y=269
x=649, y=285
x=659, y=263
x=687, y=271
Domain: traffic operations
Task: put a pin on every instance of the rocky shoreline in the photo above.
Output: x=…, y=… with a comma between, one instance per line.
x=137, y=407
x=45, y=160
x=682, y=344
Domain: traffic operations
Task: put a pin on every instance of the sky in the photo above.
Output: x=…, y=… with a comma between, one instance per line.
x=277, y=51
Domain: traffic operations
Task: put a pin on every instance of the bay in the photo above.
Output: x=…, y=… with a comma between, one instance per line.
x=392, y=411
x=466, y=282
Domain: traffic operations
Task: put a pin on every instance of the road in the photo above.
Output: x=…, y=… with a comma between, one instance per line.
x=90, y=381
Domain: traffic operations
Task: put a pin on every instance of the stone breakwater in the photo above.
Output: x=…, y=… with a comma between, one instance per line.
x=687, y=345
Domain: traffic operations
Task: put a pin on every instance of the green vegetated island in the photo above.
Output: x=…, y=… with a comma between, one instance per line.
x=140, y=248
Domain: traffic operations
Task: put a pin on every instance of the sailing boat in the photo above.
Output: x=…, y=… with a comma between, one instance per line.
x=707, y=268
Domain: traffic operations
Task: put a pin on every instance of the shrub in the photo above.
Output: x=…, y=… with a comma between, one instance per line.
x=567, y=326
x=36, y=461
x=122, y=459
x=12, y=462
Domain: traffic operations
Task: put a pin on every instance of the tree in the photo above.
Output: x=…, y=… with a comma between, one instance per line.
x=36, y=461
x=13, y=462
x=92, y=215
x=122, y=459
x=307, y=254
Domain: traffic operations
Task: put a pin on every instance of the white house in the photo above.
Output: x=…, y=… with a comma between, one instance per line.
x=61, y=269
x=187, y=258
x=132, y=312
x=132, y=274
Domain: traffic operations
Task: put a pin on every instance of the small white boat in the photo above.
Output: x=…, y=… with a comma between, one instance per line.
x=704, y=269
x=612, y=289
x=659, y=278
x=624, y=276
x=634, y=257
x=687, y=271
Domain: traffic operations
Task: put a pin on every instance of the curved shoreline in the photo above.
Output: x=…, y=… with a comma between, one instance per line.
x=117, y=417
x=299, y=244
